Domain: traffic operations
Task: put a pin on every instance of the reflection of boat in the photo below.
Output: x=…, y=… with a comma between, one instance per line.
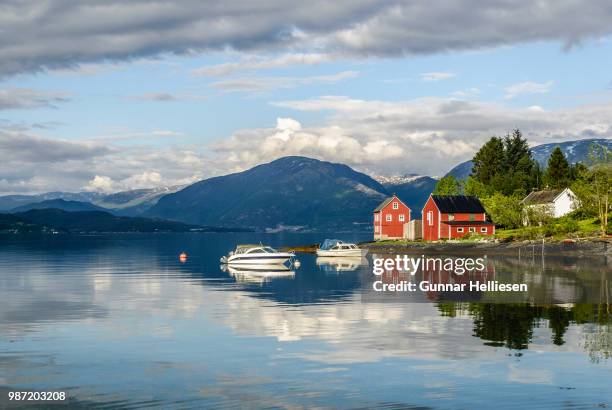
x=335, y=247
x=258, y=273
x=257, y=255
x=341, y=264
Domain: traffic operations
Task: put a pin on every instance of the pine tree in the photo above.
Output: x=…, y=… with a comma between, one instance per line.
x=558, y=172
x=488, y=161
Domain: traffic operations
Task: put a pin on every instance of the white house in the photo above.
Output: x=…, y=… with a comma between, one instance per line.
x=553, y=202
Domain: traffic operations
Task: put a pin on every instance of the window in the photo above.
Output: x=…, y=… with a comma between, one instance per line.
x=483, y=230
x=460, y=230
x=472, y=229
x=376, y=228
x=395, y=205
x=376, y=217
x=401, y=218
x=389, y=217
x=451, y=217
x=430, y=218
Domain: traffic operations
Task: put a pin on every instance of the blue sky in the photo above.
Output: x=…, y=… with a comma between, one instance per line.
x=131, y=114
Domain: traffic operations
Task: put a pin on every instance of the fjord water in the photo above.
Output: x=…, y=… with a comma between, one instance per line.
x=117, y=321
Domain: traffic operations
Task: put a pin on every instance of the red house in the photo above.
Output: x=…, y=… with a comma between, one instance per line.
x=453, y=216
x=389, y=218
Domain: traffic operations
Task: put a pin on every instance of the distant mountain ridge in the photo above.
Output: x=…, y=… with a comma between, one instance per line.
x=59, y=220
x=290, y=191
x=413, y=192
x=126, y=203
x=72, y=206
x=574, y=151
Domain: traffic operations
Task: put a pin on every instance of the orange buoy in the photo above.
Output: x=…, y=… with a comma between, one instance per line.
x=183, y=257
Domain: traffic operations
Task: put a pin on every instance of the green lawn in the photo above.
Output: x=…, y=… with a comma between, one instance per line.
x=558, y=229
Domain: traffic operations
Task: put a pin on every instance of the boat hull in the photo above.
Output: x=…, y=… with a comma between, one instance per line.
x=276, y=259
x=347, y=253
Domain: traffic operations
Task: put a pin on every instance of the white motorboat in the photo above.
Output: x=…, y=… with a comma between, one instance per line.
x=257, y=255
x=336, y=248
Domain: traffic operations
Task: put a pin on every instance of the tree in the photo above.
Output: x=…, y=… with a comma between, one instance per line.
x=488, y=161
x=558, y=171
x=506, y=165
x=505, y=211
x=447, y=186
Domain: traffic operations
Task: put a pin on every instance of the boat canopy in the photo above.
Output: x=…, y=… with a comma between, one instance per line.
x=330, y=243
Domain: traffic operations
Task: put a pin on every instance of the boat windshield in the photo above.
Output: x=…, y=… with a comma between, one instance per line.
x=330, y=243
x=261, y=249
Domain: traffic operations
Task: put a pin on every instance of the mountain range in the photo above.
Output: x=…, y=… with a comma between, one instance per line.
x=574, y=151
x=288, y=193
x=291, y=192
x=53, y=220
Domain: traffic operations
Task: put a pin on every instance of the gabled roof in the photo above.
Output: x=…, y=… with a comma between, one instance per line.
x=545, y=196
x=387, y=202
x=458, y=204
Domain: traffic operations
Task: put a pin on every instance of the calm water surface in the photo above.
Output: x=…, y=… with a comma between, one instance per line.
x=118, y=322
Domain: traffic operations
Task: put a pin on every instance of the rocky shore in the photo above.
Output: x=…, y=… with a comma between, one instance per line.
x=591, y=247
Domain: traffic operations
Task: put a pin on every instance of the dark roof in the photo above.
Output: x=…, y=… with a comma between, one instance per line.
x=467, y=223
x=458, y=204
x=383, y=204
x=541, y=197
x=387, y=201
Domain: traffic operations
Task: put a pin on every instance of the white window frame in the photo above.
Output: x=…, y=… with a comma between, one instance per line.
x=430, y=218
x=483, y=229
x=395, y=205
x=402, y=218
x=376, y=216
x=472, y=229
x=389, y=218
x=460, y=230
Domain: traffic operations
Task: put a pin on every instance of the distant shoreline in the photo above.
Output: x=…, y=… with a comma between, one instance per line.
x=590, y=247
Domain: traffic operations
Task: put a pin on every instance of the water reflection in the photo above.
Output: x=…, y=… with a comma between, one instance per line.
x=121, y=322
x=341, y=263
x=257, y=273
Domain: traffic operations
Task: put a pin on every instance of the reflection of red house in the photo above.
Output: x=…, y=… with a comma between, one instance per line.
x=389, y=218
x=453, y=216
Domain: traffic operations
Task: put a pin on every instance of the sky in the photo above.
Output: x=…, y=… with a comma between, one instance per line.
x=109, y=95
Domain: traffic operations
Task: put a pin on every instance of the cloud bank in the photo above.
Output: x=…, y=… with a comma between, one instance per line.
x=60, y=34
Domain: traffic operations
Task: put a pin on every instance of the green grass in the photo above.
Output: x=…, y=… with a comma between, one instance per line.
x=558, y=229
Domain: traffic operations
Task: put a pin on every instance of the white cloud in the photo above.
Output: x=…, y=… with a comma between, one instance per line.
x=263, y=84
x=437, y=76
x=101, y=184
x=252, y=63
x=527, y=87
x=467, y=92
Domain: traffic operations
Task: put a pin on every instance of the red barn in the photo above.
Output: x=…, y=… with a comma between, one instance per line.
x=453, y=216
x=389, y=218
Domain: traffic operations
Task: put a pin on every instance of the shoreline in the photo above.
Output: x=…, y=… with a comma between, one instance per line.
x=592, y=247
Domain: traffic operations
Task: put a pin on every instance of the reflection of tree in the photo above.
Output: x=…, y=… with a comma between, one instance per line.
x=512, y=325
x=558, y=320
x=509, y=325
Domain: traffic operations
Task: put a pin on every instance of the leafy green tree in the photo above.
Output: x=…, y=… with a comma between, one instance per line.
x=447, y=186
x=505, y=211
x=558, y=171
